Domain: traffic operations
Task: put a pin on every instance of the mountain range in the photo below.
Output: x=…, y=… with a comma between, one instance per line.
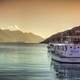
x=61, y=37
x=7, y=35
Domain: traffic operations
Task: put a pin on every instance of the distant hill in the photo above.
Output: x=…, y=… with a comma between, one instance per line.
x=19, y=37
x=65, y=36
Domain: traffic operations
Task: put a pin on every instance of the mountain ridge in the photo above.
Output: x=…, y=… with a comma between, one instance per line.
x=75, y=31
x=7, y=35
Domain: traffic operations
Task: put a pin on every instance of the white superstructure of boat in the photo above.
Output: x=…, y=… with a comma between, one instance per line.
x=64, y=52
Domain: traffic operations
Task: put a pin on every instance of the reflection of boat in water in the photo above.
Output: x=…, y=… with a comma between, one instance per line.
x=65, y=60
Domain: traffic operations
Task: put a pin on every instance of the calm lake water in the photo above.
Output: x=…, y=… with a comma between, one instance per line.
x=24, y=62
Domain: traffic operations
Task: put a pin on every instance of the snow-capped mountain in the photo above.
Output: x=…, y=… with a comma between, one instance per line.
x=11, y=28
x=15, y=34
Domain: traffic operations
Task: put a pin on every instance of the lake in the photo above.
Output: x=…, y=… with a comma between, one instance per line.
x=24, y=62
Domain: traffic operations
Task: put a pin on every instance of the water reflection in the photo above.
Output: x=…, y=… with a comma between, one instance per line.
x=65, y=71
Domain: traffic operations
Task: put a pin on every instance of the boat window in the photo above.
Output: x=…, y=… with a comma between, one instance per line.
x=70, y=54
x=70, y=46
x=62, y=48
x=65, y=47
x=78, y=46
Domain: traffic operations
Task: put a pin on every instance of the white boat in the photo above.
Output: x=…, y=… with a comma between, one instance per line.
x=65, y=60
x=65, y=52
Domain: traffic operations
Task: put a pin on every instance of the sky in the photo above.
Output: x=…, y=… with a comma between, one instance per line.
x=41, y=17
